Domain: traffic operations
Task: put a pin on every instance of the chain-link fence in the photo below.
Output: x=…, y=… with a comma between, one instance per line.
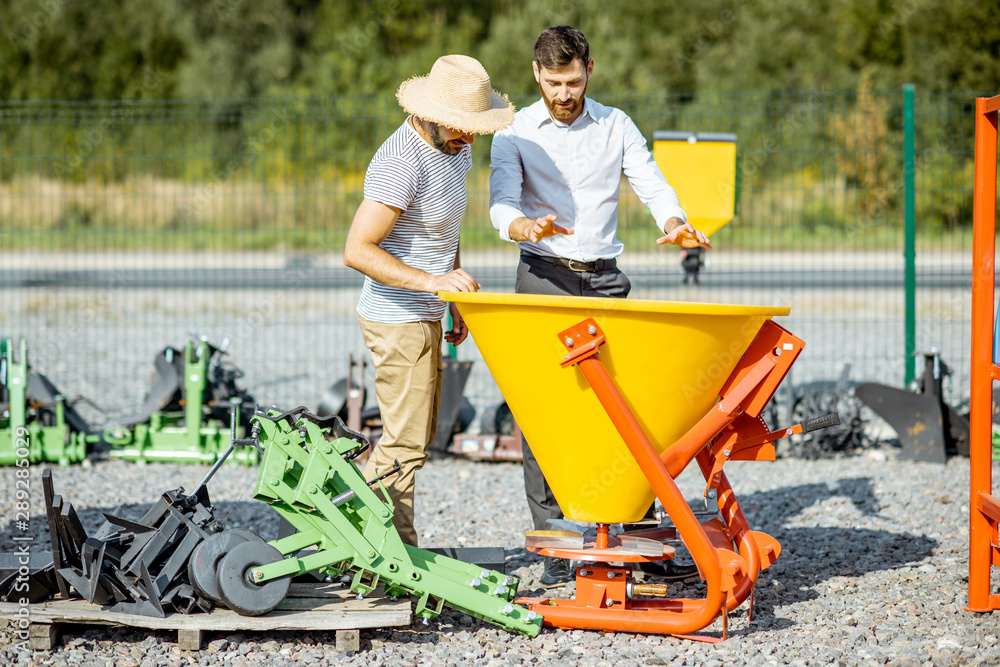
x=127, y=225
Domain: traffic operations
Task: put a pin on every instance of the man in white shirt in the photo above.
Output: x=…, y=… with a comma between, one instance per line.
x=554, y=189
x=404, y=238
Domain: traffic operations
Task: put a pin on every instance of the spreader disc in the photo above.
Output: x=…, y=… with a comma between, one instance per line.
x=203, y=566
x=624, y=549
x=239, y=593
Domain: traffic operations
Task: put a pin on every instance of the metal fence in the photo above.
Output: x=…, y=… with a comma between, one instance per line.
x=126, y=225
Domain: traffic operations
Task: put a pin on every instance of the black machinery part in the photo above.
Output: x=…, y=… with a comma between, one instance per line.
x=248, y=534
x=334, y=400
x=336, y=425
x=928, y=428
x=40, y=390
x=239, y=592
x=205, y=561
x=497, y=420
x=454, y=374
x=166, y=392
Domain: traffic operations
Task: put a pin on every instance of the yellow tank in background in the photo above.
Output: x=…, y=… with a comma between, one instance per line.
x=702, y=168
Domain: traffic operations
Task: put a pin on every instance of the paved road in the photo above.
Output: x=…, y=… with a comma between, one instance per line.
x=496, y=278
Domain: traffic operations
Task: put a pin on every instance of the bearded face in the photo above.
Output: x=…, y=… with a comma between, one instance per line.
x=447, y=140
x=564, y=88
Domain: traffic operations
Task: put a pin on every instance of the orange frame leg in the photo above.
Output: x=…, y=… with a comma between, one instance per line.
x=984, y=511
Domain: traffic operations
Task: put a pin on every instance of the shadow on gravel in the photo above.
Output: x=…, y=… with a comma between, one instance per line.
x=811, y=555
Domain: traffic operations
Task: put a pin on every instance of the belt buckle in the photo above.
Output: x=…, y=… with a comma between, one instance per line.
x=571, y=266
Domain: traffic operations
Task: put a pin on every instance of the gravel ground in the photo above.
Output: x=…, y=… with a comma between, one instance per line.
x=873, y=571
x=873, y=568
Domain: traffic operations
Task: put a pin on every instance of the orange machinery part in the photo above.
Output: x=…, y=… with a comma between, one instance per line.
x=729, y=576
x=984, y=512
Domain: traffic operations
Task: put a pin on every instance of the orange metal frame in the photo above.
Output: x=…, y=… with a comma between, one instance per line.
x=728, y=553
x=984, y=510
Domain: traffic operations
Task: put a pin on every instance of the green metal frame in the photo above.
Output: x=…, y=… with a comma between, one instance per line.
x=23, y=438
x=314, y=484
x=168, y=436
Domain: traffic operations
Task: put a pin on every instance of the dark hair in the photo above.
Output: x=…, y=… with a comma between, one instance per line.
x=560, y=45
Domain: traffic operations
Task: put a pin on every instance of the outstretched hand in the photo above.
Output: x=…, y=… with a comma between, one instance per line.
x=685, y=236
x=544, y=227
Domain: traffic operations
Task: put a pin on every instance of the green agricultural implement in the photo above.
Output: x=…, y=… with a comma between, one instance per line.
x=344, y=531
x=184, y=416
x=36, y=424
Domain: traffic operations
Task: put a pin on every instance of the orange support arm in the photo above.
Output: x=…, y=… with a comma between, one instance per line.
x=749, y=387
x=982, y=526
x=666, y=490
x=691, y=617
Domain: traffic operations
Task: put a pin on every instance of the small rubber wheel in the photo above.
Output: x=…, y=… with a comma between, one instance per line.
x=203, y=565
x=239, y=593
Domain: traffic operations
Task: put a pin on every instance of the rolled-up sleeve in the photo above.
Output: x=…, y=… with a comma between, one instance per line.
x=646, y=178
x=506, y=178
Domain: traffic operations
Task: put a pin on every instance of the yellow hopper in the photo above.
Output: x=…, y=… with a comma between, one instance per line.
x=616, y=397
x=669, y=360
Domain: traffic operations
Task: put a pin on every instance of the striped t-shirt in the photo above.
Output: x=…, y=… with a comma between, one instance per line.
x=429, y=187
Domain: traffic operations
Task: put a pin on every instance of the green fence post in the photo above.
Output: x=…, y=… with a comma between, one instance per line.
x=909, y=234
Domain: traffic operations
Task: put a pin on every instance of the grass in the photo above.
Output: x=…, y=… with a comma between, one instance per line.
x=146, y=213
x=477, y=235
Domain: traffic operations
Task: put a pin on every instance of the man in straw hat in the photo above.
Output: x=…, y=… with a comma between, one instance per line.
x=562, y=160
x=404, y=238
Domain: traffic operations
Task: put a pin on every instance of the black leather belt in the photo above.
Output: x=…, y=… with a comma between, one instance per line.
x=596, y=266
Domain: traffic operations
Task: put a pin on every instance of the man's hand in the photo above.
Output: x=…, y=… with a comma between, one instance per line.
x=453, y=281
x=526, y=229
x=685, y=236
x=458, y=330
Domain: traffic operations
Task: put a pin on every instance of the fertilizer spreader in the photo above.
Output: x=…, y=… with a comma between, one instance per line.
x=616, y=398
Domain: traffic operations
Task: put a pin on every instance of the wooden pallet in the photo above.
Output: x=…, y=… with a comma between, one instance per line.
x=307, y=607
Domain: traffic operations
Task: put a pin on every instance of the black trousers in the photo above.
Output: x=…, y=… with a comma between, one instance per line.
x=535, y=275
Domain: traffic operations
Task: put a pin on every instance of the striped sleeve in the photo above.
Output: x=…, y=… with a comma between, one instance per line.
x=392, y=181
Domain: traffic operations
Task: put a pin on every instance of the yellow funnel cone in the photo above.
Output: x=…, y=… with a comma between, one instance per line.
x=668, y=359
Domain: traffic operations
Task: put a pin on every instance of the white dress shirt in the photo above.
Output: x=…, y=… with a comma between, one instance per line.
x=540, y=166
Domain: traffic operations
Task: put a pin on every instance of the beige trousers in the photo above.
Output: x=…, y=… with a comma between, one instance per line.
x=407, y=360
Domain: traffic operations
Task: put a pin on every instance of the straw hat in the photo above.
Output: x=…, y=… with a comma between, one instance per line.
x=457, y=94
